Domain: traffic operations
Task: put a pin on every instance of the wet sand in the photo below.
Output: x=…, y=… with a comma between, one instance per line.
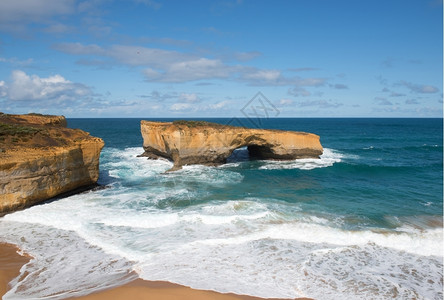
x=11, y=262
x=159, y=290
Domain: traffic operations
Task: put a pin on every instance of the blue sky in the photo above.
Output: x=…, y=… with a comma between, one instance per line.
x=152, y=58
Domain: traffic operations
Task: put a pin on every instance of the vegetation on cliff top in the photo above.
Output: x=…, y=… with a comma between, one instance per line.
x=17, y=130
x=14, y=133
x=197, y=123
x=3, y=115
x=40, y=115
x=35, y=136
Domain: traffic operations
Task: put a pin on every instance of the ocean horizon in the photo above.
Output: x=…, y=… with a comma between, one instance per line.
x=362, y=222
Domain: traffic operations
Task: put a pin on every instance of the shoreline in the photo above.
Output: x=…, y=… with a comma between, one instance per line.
x=11, y=262
x=140, y=289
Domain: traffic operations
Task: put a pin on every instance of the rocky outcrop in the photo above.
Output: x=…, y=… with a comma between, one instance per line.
x=40, y=158
x=196, y=142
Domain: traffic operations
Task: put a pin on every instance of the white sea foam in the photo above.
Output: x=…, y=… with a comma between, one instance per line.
x=371, y=272
x=207, y=246
x=288, y=268
x=126, y=165
x=232, y=207
x=218, y=220
x=155, y=224
x=327, y=159
x=417, y=242
x=206, y=175
x=143, y=220
x=63, y=264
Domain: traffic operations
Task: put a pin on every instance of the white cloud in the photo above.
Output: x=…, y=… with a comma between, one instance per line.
x=16, y=61
x=177, y=67
x=382, y=101
x=301, y=85
x=3, y=89
x=435, y=112
x=25, y=87
x=298, y=91
x=411, y=101
x=339, y=86
x=141, y=56
x=79, y=49
x=302, y=69
x=160, y=97
x=418, y=88
x=220, y=105
x=58, y=28
x=189, y=70
x=189, y=98
x=194, y=106
x=316, y=82
x=32, y=10
x=185, y=102
x=180, y=106
x=244, y=56
x=395, y=94
x=286, y=102
x=263, y=75
x=320, y=103
x=129, y=55
x=201, y=68
x=162, y=65
x=15, y=15
x=152, y=74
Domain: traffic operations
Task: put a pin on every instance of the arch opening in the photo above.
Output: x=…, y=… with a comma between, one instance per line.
x=249, y=152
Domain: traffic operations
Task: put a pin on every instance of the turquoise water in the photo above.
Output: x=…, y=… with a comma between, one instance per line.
x=363, y=222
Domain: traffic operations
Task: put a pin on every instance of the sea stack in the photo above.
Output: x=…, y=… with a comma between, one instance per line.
x=198, y=142
x=40, y=158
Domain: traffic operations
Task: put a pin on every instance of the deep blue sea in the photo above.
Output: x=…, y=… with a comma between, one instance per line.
x=363, y=222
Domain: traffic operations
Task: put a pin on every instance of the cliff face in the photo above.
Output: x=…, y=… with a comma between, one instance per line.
x=40, y=159
x=191, y=142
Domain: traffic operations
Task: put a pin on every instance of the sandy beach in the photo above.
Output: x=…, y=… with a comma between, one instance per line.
x=11, y=262
x=147, y=290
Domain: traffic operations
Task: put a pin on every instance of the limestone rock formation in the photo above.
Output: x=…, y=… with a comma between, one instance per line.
x=40, y=158
x=196, y=142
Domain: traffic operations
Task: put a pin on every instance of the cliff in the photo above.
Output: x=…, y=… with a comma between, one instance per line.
x=195, y=142
x=40, y=158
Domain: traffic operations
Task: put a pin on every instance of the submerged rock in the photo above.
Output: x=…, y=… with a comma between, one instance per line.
x=197, y=142
x=40, y=158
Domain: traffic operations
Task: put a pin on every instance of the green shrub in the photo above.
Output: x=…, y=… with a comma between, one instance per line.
x=41, y=115
x=17, y=130
x=196, y=123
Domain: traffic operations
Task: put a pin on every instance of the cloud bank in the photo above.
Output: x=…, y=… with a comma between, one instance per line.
x=24, y=87
x=168, y=66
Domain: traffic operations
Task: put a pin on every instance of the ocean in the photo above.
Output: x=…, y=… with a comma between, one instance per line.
x=363, y=222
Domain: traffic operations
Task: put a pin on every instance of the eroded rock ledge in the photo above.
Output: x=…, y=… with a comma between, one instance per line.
x=197, y=142
x=40, y=158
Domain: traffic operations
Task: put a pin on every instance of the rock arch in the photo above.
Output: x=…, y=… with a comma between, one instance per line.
x=197, y=142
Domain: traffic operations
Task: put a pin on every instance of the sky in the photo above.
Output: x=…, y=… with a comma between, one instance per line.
x=222, y=58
